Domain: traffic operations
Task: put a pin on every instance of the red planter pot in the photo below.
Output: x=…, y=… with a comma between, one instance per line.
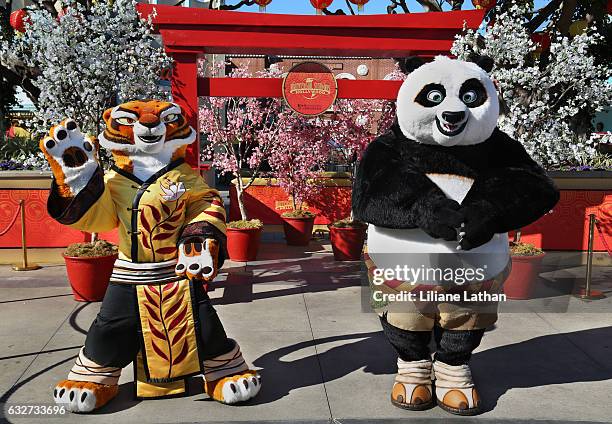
x=89, y=277
x=298, y=231
x=243, y=243
x=521, y=281
x=347, y=242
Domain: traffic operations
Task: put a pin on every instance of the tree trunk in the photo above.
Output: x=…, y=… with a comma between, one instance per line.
x=240, y=197
x=567, y=12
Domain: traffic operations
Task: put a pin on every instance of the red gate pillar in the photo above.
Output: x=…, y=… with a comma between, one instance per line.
x=185, y=94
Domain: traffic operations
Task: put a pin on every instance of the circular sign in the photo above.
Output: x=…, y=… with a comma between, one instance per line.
x=310, y=88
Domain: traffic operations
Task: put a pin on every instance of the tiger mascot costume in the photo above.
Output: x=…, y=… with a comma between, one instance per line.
x=156, y=312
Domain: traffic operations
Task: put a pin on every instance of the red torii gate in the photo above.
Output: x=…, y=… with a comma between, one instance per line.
x=188, y=32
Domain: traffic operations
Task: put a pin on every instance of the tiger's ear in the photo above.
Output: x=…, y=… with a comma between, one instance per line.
x=409, y=64
x=107, y=113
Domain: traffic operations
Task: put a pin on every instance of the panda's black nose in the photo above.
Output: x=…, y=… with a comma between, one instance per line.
x=453, y=117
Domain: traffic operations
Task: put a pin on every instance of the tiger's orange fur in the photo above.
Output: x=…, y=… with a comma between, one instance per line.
x=56, y=169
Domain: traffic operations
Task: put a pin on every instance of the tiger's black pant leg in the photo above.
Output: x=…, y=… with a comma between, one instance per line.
x=455, y=347
x=113, y=339
x=409, y=345
x=214, y=341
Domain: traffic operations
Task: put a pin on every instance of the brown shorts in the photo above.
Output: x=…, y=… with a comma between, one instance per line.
x=418, y=307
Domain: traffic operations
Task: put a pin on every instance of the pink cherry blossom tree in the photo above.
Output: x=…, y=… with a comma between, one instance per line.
x=241, y=132
x=354, y=124
x=299, y=156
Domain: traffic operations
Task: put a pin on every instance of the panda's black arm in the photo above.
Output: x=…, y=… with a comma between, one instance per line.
x=514, y=191
x=391, y=191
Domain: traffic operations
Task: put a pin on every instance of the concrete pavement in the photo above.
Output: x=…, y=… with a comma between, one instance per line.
x=298, y=316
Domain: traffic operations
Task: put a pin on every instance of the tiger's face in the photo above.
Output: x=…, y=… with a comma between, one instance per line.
x=145, y=126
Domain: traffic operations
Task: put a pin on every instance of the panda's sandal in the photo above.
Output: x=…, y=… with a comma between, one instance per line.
x=412, y=387
x=455, y=390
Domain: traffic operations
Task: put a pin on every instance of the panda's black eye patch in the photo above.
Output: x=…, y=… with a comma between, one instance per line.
x=431, y=95
x=473, y=93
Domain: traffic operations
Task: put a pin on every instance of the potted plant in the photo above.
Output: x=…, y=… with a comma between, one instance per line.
x=243, y=239
x=298, y=225
x=347, y=237
x=89, y=267
x=240, y=133
x=296, y=161
x=526, y=262
x=354, y=124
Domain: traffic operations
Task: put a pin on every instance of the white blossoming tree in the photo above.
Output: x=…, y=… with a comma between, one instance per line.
x=87, y=59
x=549, y=102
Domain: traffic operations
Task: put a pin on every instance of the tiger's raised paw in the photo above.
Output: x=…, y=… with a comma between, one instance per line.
x=198, y=259
x=71, y=156
x=83, y=396
x=236, y=388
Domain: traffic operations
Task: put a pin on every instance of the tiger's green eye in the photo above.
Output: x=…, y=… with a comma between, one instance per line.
x=171, y=117
x=435, y=96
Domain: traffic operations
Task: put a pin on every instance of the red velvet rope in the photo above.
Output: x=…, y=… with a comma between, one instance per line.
x=603, y=238
x=6, y=230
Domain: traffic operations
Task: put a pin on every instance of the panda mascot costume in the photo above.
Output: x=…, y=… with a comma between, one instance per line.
x=441, y=190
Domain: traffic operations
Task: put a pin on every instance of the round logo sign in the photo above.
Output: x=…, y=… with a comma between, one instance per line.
x=310, y=88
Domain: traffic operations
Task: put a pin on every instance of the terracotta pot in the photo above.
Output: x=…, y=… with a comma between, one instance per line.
x=243, y=243
x=298, y=231
x=347, y=242
x=521, y=281
x=89, y=277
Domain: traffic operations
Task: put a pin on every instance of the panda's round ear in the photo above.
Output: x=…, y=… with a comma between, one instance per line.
x=485, y=62
x=409, y=64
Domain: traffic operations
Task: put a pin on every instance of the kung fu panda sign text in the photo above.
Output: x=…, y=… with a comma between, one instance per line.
x=310, y=88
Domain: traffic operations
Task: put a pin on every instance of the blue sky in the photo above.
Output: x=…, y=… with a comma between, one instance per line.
x=373, y=6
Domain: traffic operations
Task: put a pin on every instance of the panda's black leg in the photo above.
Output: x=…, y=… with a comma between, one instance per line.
x=455, y=389
x=412, y=389
x=409, y=345
x=455, y=347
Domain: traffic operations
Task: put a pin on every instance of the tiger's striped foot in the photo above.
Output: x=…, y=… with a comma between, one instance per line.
x=235, y=388
x=83, y=396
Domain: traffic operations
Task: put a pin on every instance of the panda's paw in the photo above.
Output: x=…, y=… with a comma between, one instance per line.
x=472, y=236
x=444, y=217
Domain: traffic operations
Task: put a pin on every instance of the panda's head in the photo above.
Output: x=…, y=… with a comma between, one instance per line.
x=447, y=102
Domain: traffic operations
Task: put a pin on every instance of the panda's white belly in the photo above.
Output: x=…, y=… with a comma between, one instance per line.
x=389, y=248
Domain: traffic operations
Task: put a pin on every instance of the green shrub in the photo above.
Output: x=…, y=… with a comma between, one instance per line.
x=91, y=250
x=524, y=249
x=349, y=223
x=243, y=224
x=298, y=214
x=13, y=148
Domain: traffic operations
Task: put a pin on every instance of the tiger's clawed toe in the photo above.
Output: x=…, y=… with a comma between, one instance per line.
x=71, y=155
x=198, y=259
x=236, y=388
x=68, y=145
x=82, y=396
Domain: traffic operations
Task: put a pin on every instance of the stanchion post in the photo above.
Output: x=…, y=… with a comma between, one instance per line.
x=587, y=292
x=24, y=248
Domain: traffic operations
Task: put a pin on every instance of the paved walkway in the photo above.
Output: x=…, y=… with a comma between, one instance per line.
x=298, y=316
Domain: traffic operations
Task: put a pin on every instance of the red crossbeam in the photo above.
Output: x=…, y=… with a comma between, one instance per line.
x=272, y=87
x=215, y=31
